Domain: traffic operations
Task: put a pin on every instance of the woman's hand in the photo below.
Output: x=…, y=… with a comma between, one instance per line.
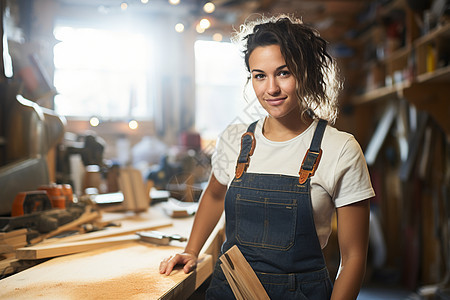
x=187, y=259
x=208, y=214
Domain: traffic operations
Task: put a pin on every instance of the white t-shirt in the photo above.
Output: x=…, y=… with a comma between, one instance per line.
x=341, y=178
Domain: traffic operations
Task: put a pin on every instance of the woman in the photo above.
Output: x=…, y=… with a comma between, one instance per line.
x=293, y=171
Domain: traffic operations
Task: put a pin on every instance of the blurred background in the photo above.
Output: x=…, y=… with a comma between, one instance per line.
x=89, y=87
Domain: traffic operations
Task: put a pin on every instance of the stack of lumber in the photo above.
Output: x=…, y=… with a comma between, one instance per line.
x=9, y=242
x=16, y=255
x=88, y=241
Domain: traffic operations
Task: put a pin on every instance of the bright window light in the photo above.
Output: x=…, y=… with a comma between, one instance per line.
x=101, y=73
x=220, y=78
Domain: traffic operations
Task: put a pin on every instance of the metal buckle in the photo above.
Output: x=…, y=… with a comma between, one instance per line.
x=305, y=174
x=242, y=167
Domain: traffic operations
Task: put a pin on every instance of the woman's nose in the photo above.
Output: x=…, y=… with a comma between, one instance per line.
x=273, y=88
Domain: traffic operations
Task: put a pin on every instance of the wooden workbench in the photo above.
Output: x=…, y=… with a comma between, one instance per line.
x=126, y=271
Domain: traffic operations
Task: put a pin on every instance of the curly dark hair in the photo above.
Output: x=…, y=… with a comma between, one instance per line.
x=306, y=56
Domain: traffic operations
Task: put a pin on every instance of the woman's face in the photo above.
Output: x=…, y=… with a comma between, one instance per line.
x=273, y=83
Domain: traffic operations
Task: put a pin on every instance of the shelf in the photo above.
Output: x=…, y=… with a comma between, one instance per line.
x=381, y=93
x=397, y=54
x=440, y=75
x=427, y=91
x=440, y=31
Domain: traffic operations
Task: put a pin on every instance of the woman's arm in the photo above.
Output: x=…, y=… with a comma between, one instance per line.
x=208, y=214
x=353, y=237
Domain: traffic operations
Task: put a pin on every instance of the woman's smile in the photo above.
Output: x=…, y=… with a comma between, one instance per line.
x=273, y=83
x=275, y=101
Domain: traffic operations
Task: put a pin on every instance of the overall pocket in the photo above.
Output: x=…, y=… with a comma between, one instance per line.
x=266, y=219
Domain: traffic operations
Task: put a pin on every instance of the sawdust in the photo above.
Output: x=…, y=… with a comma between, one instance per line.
x=123, y=272
x=132, y=286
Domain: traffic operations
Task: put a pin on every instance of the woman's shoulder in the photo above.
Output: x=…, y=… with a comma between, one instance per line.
x=234, y=132
x=339, y=140
x=337, y=133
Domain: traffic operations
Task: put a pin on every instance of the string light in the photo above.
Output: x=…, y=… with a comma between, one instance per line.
x=179, y=27
x=205, y=23
x=209, y=7
x=174, y=2
x=217, y=37
x=94, y=121
x=199, y=29
x=144, y=1
x=123, y=6
x=133, y=124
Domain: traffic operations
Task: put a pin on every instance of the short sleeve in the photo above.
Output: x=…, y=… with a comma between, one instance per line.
x=352, y=176
x=219, y=161
x=225, y=155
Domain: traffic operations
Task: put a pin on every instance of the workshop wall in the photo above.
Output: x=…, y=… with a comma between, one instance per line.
x=401, y=110
x=173, y=72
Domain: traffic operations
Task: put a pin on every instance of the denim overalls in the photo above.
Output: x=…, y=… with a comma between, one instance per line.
x=270, y=218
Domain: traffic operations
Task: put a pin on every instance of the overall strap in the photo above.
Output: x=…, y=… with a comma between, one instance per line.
x=312, y=157
x=248, y=143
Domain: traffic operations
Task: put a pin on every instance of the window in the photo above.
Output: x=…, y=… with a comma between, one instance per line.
x=102, y=73
x=220, y=78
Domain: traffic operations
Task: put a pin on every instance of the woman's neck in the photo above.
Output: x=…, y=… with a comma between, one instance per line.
x=284, y=129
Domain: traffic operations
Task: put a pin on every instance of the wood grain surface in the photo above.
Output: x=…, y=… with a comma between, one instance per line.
x=127, y=271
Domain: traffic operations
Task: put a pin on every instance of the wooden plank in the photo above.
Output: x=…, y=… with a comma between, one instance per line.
x=241, y=277
x=110, y=232
x=10, y=244
x=15, y=241
x=59, y=249
x=6, y=267
x=128, y=271
x=125, y=185
x=10, y=234
x=4, y=248
x=134, y=191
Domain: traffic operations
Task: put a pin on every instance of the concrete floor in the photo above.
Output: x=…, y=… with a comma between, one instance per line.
x=384, y=293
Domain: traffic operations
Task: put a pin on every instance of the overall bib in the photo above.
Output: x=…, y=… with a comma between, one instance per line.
x=270, y=218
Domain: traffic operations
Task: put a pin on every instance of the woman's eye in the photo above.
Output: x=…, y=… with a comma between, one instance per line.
x=284, y=73
x=259, y=76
